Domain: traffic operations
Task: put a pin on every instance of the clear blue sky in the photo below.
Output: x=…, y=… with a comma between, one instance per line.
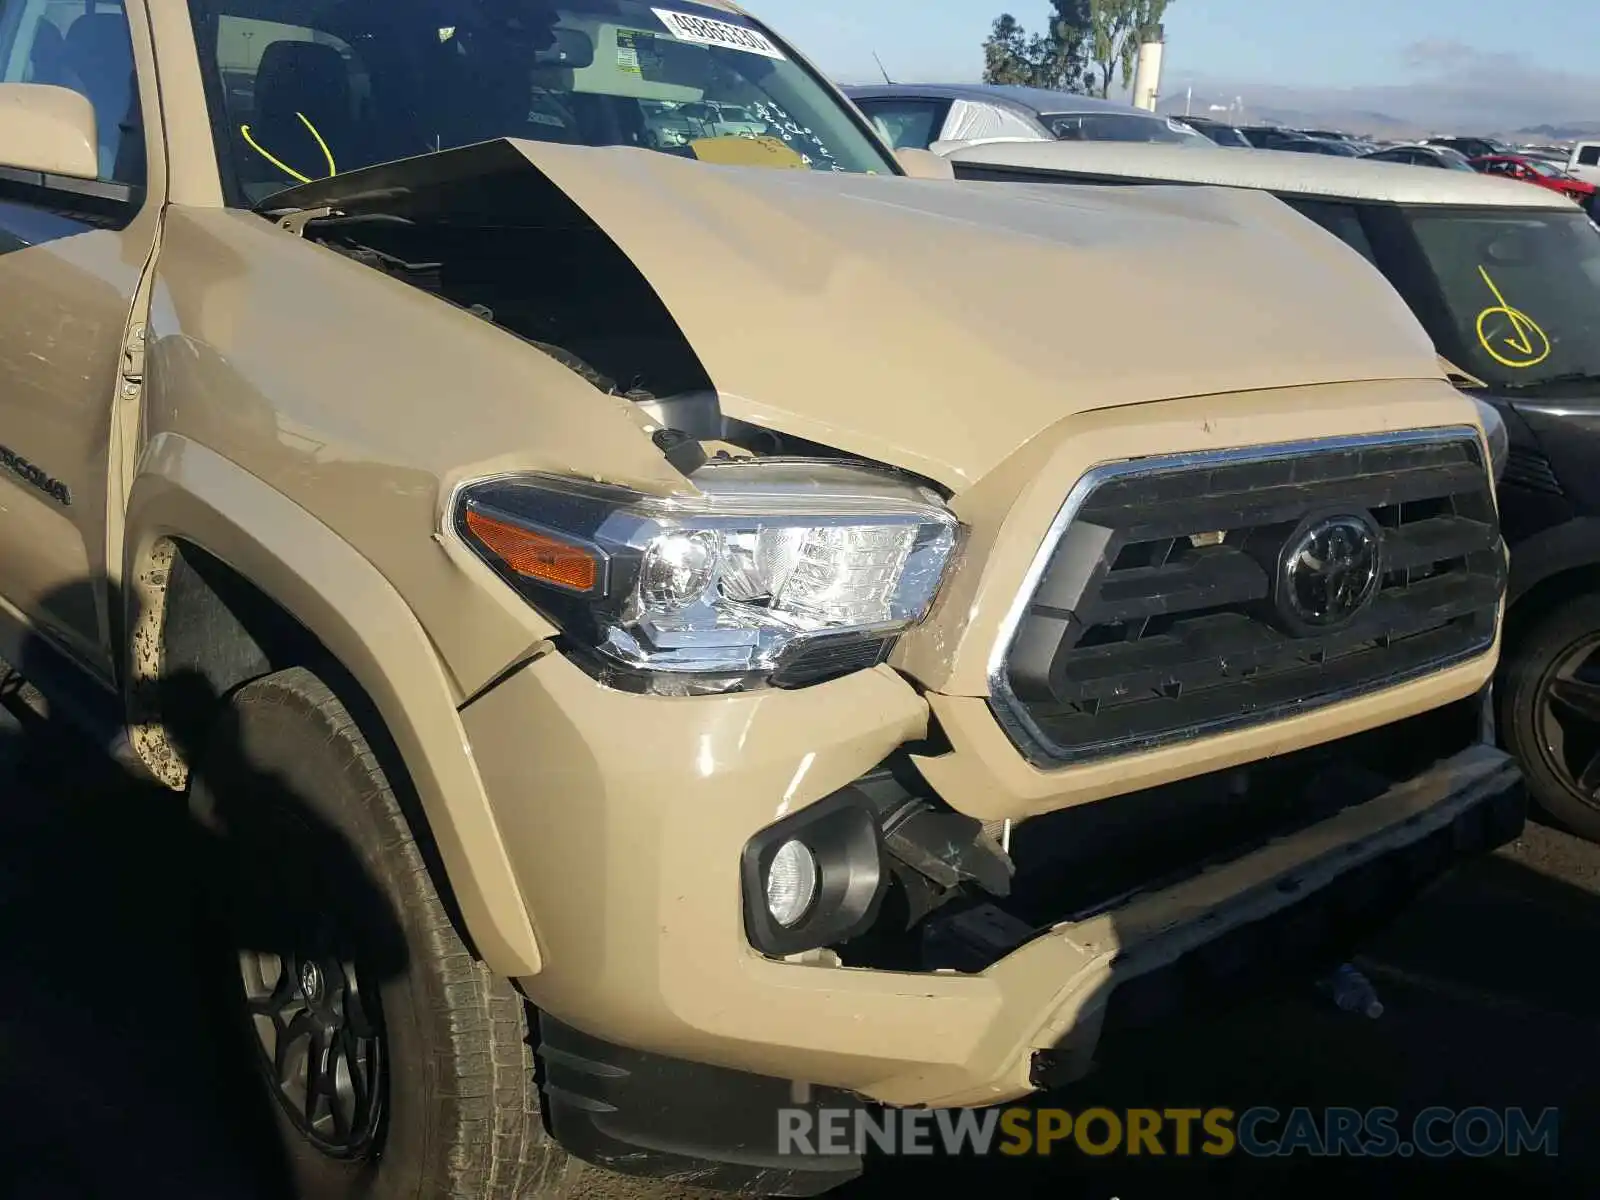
x=1345, y=43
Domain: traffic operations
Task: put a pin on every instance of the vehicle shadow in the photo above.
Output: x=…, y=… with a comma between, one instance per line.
x=1488, y=1004
x=126, y=1059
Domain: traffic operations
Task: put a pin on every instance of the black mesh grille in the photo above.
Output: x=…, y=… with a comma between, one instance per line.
x=1154, y=618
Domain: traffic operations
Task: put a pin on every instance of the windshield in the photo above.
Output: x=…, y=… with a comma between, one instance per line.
x=304, y=89
x=1521, y=288
x=1120, y=127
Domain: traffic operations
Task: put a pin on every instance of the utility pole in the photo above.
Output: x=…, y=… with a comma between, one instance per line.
x=1188, y=101
x=1147, y=76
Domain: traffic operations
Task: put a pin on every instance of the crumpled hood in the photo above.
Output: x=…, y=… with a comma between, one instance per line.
x=941, y=325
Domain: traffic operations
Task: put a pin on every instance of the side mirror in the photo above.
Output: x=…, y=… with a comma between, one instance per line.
x=48, y=129
x=924, y=164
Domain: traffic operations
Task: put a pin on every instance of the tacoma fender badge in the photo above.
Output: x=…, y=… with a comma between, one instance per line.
x=34, y=477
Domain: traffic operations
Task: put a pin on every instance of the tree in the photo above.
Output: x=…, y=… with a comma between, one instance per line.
x=1116, y=27
x=1006, y=55
x=1053, y=60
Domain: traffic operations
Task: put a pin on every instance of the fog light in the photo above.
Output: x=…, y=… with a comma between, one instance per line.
x=791, y=883
x=815, y=878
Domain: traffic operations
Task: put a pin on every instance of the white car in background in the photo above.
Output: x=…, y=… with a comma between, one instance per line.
x=916, y=116
x=1584, y=162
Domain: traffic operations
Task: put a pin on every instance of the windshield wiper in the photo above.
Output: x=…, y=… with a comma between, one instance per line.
x=1572, y=377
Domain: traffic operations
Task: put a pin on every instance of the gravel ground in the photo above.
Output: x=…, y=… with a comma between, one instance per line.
x=111, y=1082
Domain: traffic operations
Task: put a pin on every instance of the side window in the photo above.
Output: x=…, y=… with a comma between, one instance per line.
x=83, y=45
x=1589, y=156
x=1341, y=220
x=294, y=102
x=908, y=124
x=973, y=119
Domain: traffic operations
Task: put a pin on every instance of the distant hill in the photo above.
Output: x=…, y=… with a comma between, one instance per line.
x=1399, y=111
x=1561, y=133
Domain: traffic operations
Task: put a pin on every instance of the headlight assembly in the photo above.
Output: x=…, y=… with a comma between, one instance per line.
x=781, y=570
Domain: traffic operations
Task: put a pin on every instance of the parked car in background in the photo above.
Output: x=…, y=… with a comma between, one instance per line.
x=1361, y=144
x=1543, y=174
x=915, y=116
x=1314, y=145
x=1422, y=155
x=1556, y=155
x=1471, y=147
x=1219, y=132
x=1584, y=162
x=1506, y=280
x=1270, y=137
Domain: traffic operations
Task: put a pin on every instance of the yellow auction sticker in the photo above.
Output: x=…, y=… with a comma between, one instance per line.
x=1528, y=343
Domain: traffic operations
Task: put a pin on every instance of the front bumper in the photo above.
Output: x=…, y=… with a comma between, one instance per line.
x=625, y=817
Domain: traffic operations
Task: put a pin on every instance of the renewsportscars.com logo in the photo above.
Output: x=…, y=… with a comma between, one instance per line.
x=1176, y=1132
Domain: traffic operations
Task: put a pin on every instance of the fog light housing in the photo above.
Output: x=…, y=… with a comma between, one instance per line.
x=791, y=883
x=815, y=878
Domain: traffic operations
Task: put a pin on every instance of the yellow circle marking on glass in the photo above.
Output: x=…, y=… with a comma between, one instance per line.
x=285, y=167
x=1528, y=342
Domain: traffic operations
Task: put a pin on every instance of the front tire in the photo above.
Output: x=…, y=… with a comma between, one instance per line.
x=1549, y=712
x=399, y=1065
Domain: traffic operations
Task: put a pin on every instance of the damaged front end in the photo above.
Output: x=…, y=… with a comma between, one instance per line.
x=741, y=587
x=480, y=230
x=744, y=583
x=956, y=894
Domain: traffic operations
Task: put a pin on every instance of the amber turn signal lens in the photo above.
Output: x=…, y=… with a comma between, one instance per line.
x=536, y=555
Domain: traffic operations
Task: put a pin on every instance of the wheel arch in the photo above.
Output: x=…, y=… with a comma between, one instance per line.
x=1552, y=567
x=231, y=580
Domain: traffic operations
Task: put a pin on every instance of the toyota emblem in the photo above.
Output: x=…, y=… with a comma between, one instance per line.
x=1329, y=571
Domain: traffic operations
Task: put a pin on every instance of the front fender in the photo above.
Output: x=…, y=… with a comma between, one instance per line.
x=185, y=491
x=1546, y=554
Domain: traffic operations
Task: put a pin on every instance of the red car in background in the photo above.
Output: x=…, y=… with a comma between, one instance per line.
x=1532, y=170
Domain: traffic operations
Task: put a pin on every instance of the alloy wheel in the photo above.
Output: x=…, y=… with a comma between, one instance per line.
x=1568, y=719
x=321, y=1047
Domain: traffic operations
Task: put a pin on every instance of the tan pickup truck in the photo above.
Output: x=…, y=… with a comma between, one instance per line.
x=668, y=612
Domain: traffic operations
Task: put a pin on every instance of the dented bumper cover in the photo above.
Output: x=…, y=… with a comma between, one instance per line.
x=628, y=844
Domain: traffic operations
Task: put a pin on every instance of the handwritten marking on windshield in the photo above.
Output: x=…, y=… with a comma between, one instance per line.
x=1528, y=342
x=285, y=167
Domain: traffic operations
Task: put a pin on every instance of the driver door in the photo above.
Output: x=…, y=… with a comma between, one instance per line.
x=72, y=254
